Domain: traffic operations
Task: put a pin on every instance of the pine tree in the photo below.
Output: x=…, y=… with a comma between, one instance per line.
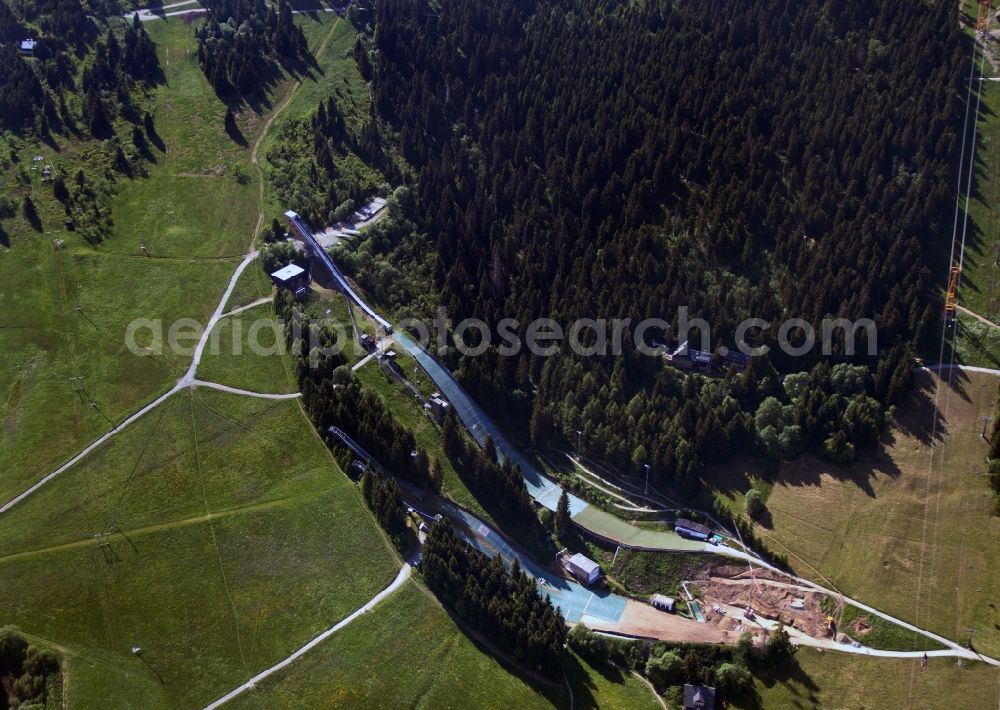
x=366, y=485
x=562, y=518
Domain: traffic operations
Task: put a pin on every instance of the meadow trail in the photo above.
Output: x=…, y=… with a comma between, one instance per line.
x=404, y=574
x=189, y=379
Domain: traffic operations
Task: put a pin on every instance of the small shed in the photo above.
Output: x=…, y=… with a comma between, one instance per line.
x=28, y=47
x=699, y=697
x=695, y=531
x=584, y=568
x=663, y=603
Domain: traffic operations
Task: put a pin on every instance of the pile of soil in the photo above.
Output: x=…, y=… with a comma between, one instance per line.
x=860, y=626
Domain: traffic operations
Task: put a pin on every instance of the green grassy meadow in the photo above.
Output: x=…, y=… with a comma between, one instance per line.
x=195, y=213
x=884, y=634
x=405, y=653
x=247, y=350
x=606, y=686
x=216, y=532
x=252, y=285
x=837, y=680
x=976, y=343
x=47, y=416
x=199, y=447
x=228, y=533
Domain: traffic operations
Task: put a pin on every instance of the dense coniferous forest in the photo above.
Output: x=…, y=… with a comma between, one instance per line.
x=993, y=459
x=242, y=42
x=305, y=159
x=108, y=78
x=500, y=486
x=341, y=401
x=21, y=94
x=72, y=56
x=384, y=499
x=506, y=607
x=621, y=160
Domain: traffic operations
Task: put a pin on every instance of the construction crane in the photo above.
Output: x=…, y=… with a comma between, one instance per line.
x=949, y=303
x=748, y=612
x=984, y=15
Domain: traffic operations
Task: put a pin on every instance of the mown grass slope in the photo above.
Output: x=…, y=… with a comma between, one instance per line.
x=405, y=653
x=836, y=680
x=232, y=545
x=194, y=216
x=247, y=350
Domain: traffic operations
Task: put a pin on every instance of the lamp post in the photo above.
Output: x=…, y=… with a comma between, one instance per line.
x=647, y=479
x=578, y=432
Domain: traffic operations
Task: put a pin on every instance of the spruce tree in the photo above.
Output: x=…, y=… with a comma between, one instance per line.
x=562, y=519
x=367, y=485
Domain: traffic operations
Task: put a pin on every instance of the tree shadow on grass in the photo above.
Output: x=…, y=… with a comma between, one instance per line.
x=809, y=470
x=232, y=128
x=978, y=344
x=553, y=690
x=313, y=9
x=583, y=687
x=152, y=135
x=793, y=677
x=918, y=417
x=764, y=519
x=258, y=97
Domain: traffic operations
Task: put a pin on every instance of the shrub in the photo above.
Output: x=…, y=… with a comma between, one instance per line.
x=665, y=670
x=588, y=644
x=733, y=681
x=754, y=504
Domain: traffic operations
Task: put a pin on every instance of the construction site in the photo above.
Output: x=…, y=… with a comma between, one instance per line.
x=734, y=598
